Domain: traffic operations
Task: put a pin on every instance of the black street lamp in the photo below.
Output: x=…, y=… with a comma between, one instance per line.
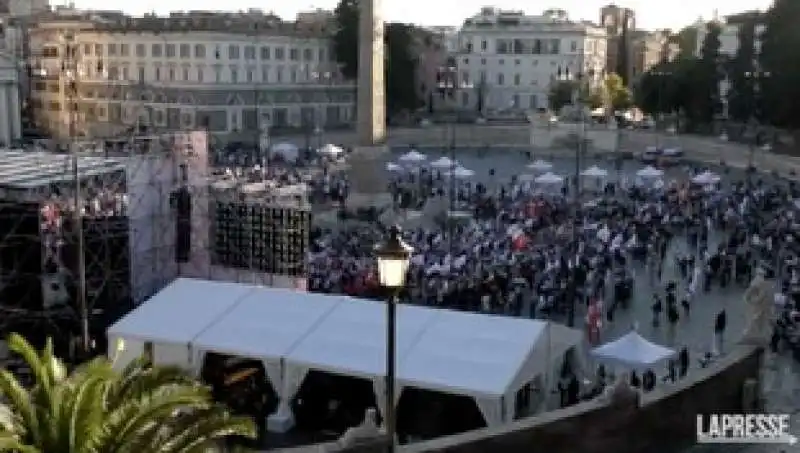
x=393, y=260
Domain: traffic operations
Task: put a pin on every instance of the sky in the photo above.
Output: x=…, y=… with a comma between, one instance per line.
x=650, y=14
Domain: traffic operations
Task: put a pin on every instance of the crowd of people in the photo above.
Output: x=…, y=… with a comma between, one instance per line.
x=542, y=252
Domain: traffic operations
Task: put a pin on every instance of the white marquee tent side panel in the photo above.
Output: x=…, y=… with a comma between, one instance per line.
x=171, y=320
x=351, y=341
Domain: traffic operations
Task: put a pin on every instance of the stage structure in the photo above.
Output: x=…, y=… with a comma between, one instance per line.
x=149, y=212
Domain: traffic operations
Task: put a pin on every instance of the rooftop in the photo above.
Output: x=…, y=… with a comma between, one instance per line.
x=28, y=170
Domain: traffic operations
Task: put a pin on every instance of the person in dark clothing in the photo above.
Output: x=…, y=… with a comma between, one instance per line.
x=648, y=380
x=719, y=328
x=683, y=362
x=657, y=309
x=573, y=391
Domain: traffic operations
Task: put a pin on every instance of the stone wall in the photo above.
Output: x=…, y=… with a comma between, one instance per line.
x=664, y=422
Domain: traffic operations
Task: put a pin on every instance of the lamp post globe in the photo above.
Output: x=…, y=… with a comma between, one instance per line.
x=393, y=258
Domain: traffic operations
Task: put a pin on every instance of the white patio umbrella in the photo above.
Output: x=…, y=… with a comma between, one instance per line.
x=460, y=173
x=331, y=150
x=540, y=165
x=443, y=162
x=706, y=178
x=412, y=157
x=549, y=179
x=391, y=166
x=650, y=172
x=595, y=172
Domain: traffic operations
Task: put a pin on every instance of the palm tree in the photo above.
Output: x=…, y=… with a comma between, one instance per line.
x=95, y=409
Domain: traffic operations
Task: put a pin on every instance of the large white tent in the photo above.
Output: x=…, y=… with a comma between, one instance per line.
x=487, y=358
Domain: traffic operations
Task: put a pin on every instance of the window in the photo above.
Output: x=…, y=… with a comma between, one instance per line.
x=517, y=79
x=155, y=50
x=249, y=76
x=185, y=51
x=87, y=50
x=465, y=61
x=186, y=74
x=217, y=53
x=169, y=50
x=517, y=62
x=111, y=50
x=483, y=61
x=321, y=55
x=125, y=73
x=218, y=75
x=308, y=54
x=483, y=77
x=532, y=104
x=199, y=51
x=233, y=52
x=501, y=79
x=234, y=75
x=280, y=53
x=515, y=101
x=249, y=52
x=555, y=46
x=465, y=98
x=200, y=75
x=279, y=74
x=141, y=74
x=293, y=75
x=124, y=50
x=573, y=46
x=98, y=50
x=265, y=53
x=294, y=54
x=484, y=45
x=265, y=74
x=158, y=73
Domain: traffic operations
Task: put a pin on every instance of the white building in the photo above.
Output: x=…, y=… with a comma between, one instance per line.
x=511, y=59
x=728, y=38
x=233, y=73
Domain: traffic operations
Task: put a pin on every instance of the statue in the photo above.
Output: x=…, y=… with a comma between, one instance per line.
x=758, y=310
x=367, y=430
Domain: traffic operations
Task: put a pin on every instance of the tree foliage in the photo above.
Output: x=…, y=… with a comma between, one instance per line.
x=778, y=57
x=400, y=62
x=96, y=409
x=618, y=93
x=705, y=102
x=741, y=96
x=561, y=94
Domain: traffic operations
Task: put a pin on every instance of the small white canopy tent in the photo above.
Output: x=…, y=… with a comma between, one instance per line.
x=650, y=172
x=412, y=157
x=460, y=173
x=632, y=351
x=393, y=167
x=444, y=162
x=331, y=150
x=540, y=165
x=706, y=178
x=549, y=179
x=595, y=172
x=172, y=319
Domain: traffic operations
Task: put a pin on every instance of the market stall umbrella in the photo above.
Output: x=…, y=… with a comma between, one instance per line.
x=540, y=165
x=412, y=157
x=443, y=162
x=650, y=172
x=549, y=178
x=706, y=178
x=331, y=150
x=595, y=172
x=460, y=173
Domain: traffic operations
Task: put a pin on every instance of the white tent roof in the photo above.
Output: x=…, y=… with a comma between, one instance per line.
x=632, y=350
x=473, y=353
x=179, y=312
x=352, y=339
x=266, y=324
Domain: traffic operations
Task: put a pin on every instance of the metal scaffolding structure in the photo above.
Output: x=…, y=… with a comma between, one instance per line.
x=85, y=237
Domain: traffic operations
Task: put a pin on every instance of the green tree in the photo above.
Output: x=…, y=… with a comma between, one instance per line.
x=618, y=94
x=779, y=45
x=687, y=41
x=741, y=97
x=699, y=81
x=400, y=61
x=95, y=409
x=561, y=94
x=596, y=98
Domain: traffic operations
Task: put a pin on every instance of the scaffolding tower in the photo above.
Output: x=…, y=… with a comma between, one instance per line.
x=86, y=237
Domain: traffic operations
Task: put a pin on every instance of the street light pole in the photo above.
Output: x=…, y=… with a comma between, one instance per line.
x=393, y=259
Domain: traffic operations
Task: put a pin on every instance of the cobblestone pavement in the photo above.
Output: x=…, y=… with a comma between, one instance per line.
x=782, y=374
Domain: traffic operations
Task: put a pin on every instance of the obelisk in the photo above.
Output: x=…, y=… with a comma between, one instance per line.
x=368, y=175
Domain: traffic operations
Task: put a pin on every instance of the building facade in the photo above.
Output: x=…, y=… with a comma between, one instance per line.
x=509, y=61
x=619, y=24
x=650, y=49
x=235, y=74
